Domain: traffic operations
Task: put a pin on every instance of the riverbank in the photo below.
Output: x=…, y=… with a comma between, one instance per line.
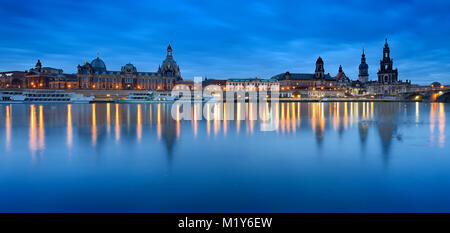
x=107, y=96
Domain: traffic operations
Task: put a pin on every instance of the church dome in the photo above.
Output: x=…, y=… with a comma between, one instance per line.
x=169, y=66
x=129, y=68
x=98, y=64
x=363, y=66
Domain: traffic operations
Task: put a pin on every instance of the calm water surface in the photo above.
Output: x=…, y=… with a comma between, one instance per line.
x=324, y=157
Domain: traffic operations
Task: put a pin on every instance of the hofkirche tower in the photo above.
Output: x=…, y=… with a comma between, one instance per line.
x=386, y=74
x=363, y=75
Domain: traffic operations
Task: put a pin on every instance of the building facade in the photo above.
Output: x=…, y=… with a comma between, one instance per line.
x=94, y=75
x=41, y=77
x=318, y=80
x=253, y=84
x=12, y=79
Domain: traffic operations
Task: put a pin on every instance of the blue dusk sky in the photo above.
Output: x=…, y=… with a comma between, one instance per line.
x=229, y=39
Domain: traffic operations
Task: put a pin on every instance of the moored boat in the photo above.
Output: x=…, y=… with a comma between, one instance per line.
x=38, y=96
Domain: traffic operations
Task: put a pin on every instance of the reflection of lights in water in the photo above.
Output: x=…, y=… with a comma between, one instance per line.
x=208, y=117
x=159, y=122
x=8, y=128
x=282, y=118
x=41, y=128
x=345, y=115
x=441, y=125
x=69, y=126
x=139, y=123
x=363, y=111
x=351, y=114
x=108, y=118
x=94, y=126
x=117, y=123
x=371, y=110
x=288, y=118
x=178, y=121
x=437, y=113
x=322, y=117
x=313, y=116
x=195, y=120
x=432, y=117
x=216, y=119
x=225, y=123
x=32, y=134
x=336, y=119
x=417, y=112
x=238, y=118
x=293, y=118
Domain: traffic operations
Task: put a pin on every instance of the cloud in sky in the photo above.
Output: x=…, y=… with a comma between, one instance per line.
x=229, y=39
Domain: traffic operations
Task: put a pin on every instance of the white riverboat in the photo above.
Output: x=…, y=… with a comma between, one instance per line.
x=38, y=96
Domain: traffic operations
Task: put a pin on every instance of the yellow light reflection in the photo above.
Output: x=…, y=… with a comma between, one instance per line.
x=139, y=123
x=441, y=125
x=41, y=128
x=159, y=122
x=32, y=133
x=94, y=126
x=238, y=118
x=69, y=126
x=108, y=118
x=8, y=128
x=117, y=123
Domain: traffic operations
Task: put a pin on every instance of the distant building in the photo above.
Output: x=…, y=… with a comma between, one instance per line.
x=94, y=75
x=40, y=77
x=295, y=81
x=388, y=83
x=341, y=79
x=253, y=84
x=319, y=80
x=12, y=79
x=363, y=75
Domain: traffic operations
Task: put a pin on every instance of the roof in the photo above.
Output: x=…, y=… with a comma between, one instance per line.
x=299, y=76
x=252, y=79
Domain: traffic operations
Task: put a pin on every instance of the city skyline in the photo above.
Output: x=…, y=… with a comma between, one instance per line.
x=210, y=41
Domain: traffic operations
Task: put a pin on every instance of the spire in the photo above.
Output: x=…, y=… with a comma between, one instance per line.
x=340, y=68
x=98, y=54
x=38, y=64
x=169, y=51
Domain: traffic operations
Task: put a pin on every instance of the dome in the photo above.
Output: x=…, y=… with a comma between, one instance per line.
x=98, y=64
x=363, y=66
x=436, y=84
x=129, y=68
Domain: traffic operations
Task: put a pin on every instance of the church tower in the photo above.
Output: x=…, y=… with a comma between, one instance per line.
x=363, y=75
x=320, y=71
x=386, y=74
